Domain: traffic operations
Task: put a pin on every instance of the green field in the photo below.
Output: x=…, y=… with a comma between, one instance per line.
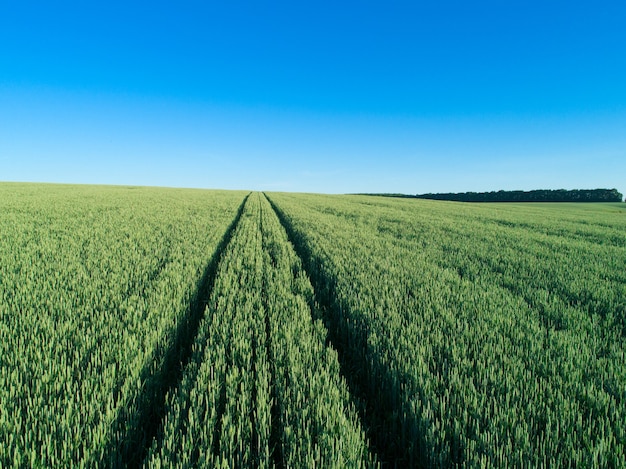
x=147, y=327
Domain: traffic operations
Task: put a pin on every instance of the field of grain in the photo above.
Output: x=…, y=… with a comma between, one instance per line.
x=146, y=327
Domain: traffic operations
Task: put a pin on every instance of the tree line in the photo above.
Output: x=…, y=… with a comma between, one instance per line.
x=541, y=195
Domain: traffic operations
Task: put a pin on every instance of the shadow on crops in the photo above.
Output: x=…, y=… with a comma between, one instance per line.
x=137, y=425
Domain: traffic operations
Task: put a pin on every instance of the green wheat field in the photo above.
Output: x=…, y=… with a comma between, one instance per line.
x=158, y=328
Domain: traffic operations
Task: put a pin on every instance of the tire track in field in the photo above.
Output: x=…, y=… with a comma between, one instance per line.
x=147, y=423
x=351, y=353
x=275, y=439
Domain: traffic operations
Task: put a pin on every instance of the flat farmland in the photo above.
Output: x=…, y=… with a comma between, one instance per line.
x=148, y=327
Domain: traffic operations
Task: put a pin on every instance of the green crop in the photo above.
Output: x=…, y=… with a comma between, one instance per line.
x=94, y=283
x=145, y=327
x=482, y=335
x=263, y=389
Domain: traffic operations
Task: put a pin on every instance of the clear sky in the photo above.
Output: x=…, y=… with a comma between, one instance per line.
x=387, y=96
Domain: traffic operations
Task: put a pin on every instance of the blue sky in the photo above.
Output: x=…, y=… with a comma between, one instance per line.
x=319, y=96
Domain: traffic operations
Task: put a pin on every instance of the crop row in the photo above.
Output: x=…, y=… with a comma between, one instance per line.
x=97, y=286
x=262, y=388
x=479, y=335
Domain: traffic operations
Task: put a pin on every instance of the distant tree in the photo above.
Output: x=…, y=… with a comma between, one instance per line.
x=541, y=195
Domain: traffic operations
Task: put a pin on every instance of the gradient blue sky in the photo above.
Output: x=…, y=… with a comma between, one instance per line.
x=318, y=96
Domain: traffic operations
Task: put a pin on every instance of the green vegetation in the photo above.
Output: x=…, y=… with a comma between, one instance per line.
x=96, y=286
x=262, y=389
x=148, y=327
x=480, y=335
x=542, y=195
